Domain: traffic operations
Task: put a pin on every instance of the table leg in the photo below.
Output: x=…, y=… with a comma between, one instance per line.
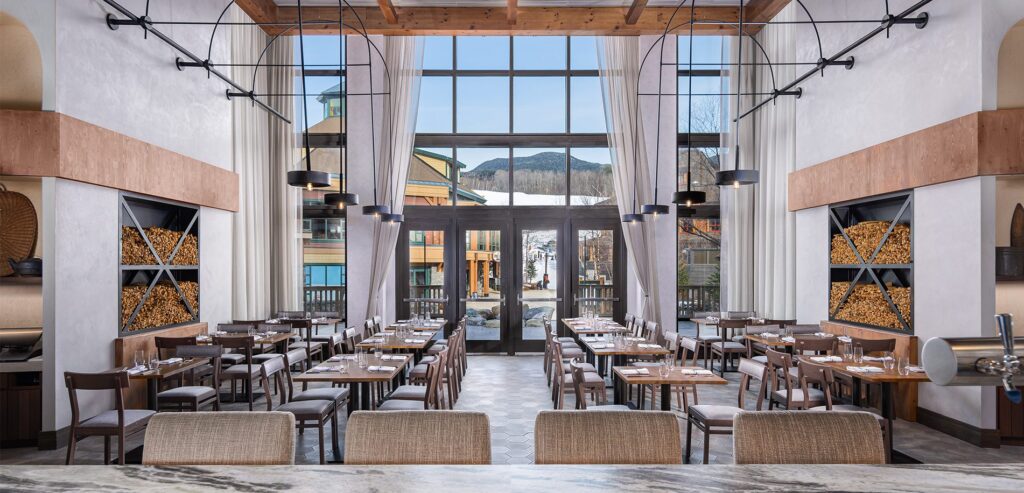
x=417, y=356
x=855, y=392
x=888, y=412
x=152, y=388
x=353, y=398
x=617, y=392
x=666, y=397
x=364, y=397
x=335, y=447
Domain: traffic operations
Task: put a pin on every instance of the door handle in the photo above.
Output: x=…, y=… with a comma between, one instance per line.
x=521, y=299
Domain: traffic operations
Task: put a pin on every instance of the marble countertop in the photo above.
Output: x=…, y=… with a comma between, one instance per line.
x=912, y=478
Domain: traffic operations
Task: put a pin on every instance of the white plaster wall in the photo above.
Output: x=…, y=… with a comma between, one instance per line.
x=215, y=253
x=812, y=265
x=122, y=82
x=83, y=257
x=38, y=17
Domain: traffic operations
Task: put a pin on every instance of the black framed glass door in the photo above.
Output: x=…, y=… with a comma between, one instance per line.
x=540, y=281
x=424, y=281
x=598, y=268
x=483, y=285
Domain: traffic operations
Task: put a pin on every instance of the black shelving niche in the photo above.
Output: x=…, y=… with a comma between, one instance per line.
x=170, y=272
x=895, y=210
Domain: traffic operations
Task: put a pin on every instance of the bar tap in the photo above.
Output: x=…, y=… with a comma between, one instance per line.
x=976, y=360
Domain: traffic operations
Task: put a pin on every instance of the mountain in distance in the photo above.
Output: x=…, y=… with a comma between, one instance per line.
x=544, y=161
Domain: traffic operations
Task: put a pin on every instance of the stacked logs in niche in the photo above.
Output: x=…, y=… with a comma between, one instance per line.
x=866, y=236
x=163, y=307
x=135, y=252
x=866, y=305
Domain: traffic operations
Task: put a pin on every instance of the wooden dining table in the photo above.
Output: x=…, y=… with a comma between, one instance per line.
x=578, y=327
x=598, y=350
x=415, y=344
x=153, y=377
x=359, y=379
x=686, y=375
x=887, y=379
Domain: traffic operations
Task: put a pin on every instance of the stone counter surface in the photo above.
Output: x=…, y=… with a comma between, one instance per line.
x=490, y=479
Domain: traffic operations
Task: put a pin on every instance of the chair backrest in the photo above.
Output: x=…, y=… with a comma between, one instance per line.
x=435, y=373
x=235, y=328
x=278, y=327
x=638, y=327
x=399, y=437
x=740, y=314
x=805, y=437
x=690, y=344
x=732, y=324
x=291, y=314
x=247, y=322
x=874, y=345
x=219, y=438
x=778, y=322
x=815, y=345
x=811, y=373
x=653, y=334
x=378, y=323
x=108, y=380
x=578, y=378
x=370, y=328
x=779, y=364
x=802, y=328
x=327, y=314
x=211, y=351
x=607, y=437
x=750, y=368
x=672, y=344
x=270, y=368
x=167, y=346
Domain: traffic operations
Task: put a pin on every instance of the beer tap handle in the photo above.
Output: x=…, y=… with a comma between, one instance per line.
x=1010, y=361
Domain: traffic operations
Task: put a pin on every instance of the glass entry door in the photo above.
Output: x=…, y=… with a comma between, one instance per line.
x=539, y=283
x=426, y=290
x=483, y=285
x=597, y=272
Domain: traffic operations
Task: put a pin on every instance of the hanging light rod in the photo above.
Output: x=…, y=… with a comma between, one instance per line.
x=920, y=21
x=332, y=23
x=147, y=25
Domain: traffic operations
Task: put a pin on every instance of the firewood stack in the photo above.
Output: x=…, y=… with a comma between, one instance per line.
x=866, y=236
x=135, y=252
x=163, y=307
x=866, y=304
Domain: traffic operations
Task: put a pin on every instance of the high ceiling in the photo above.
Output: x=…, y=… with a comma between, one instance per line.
x=517, y=17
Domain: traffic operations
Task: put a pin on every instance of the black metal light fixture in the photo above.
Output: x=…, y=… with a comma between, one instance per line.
x=342, y=199
x=738, y=177
x=690, y=197
x=307, y=178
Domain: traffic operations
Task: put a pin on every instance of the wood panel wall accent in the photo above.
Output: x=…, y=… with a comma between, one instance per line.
x=906, y=345
x=124, y=354
x=39, y=143
x=985, y=143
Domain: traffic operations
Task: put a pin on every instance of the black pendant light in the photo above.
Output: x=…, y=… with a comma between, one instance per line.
x=687, y=199
x=738, y=177
x=307, y=178
x=656, y=209
x=342, y=199
x=376, y=210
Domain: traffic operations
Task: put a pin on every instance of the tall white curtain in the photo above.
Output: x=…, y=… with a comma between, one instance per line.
x=404, y=57
x=775, y=148
x=265, y=239
x=737, y=203
x=619, y=62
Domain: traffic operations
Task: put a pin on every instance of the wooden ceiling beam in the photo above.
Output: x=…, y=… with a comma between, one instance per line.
x=388, y=10
x=607, y=21
x=633, y=14
x=513, y=11
x=259, y=10
x=763, y=10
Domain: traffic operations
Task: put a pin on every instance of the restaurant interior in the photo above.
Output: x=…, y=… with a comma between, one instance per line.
x=757, y=245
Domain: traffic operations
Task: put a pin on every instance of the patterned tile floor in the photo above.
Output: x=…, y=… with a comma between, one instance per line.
x=511, y=390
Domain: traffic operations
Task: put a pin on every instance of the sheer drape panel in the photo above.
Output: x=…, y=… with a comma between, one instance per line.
x=775, y=148
x=267, y=260
x=251, y=224
x=737, y=203
x=404, y=55
x=619, y=63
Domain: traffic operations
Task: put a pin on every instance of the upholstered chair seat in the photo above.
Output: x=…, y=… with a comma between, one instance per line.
x=108, y=419
x=197, y=392
x=714, y=415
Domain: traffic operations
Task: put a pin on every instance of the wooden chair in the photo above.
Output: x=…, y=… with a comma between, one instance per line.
x=246, y=372
x=119, y=422
x=823, y=377
x=704, y=341
x=399, y=437
x=166, y=346
x=607, y=437
x=309, y=413
x=579, y=376
x=562, y=376
x=415, y=397
x=814, y=345
x=725, y=348
x=807, y=438
x=193, y=397
x=220, y=438
x=682, y=399
x=291, y=314
x=780, y=369
x=718, y=419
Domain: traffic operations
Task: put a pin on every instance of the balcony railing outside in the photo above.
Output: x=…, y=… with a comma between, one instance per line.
x=325, y=299
x=691, y=299
x=433, y=292
x=598, y=298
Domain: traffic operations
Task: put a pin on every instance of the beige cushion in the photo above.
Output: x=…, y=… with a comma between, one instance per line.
x=307, y=409
x=401, y=405
x=409, y=392
x=220, y=438
x=232, y=358
x=810, y=438
x=729, y=346
x=568, y=340
x=607, y=437
x=108, y=419
x=190, y=392
x=335, y=394
x=815, y=396
x=713, y=415
x=418, y=437
x=260, y=358
x=587, y=367
x=253, y=370
x=847, y=408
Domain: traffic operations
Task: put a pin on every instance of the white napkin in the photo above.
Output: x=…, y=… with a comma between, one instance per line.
x=826, y=359
x=340, y=357
x=136, y=370
x=393, y=357
x=915, y=369
x=220, y=333
x=600, y=345
x=823, y=334
x=769, y=334
x=203, y=338
x=696, y=371
x=844, y=339
x=877, y=358
x=383, y=368
x=422, y=333
x=373, y=340
x=865, y=369
x=323, y=369
x=274, y=321
x=649, y=346
x=415, y=341
x=635, y=339
x=171, y=361
x=788, y=339
x=636, y=371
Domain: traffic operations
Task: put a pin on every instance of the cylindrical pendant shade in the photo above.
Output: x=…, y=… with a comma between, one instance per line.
x=341, y=200
x=654, y=209
x=737, y=177
x=632, y=218
x=376, y=210
x=392, y=218
x=689, y=197
x=309, y=179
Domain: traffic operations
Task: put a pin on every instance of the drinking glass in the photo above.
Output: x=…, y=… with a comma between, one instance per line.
x=888, y=361
x=664, y=369
x=904, y=365
x=858, y=353
x=361, y=359
x=848, y=351
x=377, y=350
x=140, y=358
x=154, y=360
x=343, y=366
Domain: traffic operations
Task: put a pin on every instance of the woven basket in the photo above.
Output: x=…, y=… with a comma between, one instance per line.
x=18, y=228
